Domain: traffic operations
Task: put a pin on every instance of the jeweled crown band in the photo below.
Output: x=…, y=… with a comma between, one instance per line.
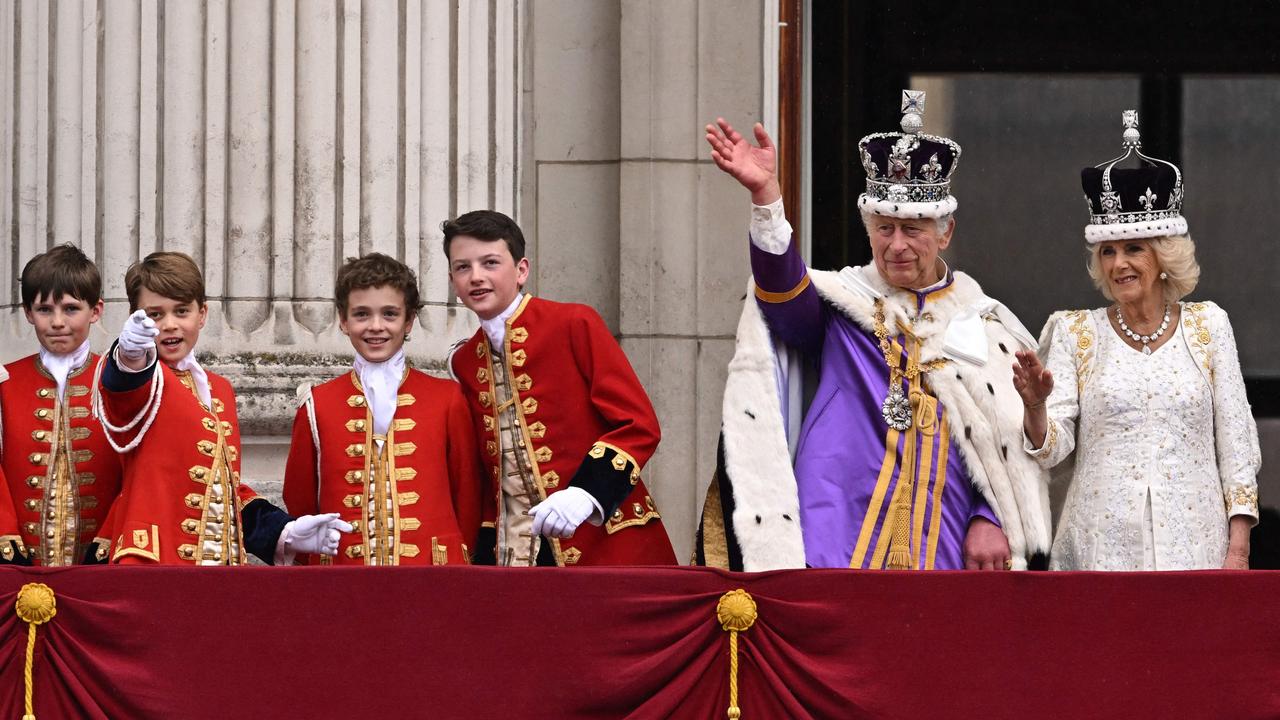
x=916, y=192
x=1132, y=217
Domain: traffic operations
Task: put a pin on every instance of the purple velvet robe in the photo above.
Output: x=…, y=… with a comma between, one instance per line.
x=849, y=461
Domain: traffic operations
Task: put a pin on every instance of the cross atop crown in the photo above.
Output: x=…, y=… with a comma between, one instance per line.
x=912, y=111
x=1132, y=138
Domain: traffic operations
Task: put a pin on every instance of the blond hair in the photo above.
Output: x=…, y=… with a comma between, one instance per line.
x=1175, y=256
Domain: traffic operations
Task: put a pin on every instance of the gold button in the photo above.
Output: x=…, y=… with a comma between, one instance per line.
x=40, y=435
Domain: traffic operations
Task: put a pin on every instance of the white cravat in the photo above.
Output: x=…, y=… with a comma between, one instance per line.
x=198, y=376
x=496, y=328
x=381, y=383
x=60, y=365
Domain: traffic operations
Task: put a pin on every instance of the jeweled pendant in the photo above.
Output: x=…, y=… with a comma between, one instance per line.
x=896, y=410
x=1146, y=349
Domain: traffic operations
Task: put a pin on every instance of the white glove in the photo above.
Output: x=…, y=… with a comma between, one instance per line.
x=315, y=534
x=562, y=512
x=138, y=336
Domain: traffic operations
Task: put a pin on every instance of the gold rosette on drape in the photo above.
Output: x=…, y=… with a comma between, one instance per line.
x=736, y=612
x=35, y=606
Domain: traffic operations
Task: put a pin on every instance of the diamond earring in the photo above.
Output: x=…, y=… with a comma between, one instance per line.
x=1164, y=275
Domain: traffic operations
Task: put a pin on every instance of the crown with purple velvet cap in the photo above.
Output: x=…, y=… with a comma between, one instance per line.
x=1133, y=203
x=909, y=173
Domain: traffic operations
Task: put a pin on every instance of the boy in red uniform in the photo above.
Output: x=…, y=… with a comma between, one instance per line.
x=563, y=422
x=386, y=447
x=175, y=425
x=62, y=473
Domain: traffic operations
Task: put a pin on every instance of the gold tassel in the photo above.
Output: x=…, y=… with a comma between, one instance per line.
x=736, y=612
x=899, y=526
x=36, y=605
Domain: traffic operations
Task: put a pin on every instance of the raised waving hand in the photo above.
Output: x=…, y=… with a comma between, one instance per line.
x=755, y=167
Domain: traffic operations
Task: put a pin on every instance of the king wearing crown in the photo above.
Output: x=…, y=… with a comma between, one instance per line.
x=907, y=456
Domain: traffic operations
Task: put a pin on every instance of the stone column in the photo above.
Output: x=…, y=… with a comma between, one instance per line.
x=630, y=214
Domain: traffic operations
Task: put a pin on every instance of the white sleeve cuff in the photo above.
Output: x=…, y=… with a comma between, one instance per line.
x=770, y=230
x=151, y=360
x=284, y=553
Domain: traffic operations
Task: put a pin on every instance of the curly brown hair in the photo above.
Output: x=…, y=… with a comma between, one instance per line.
x=375, y=270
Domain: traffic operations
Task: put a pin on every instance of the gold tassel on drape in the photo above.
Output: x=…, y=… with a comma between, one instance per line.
x=35, y=606
x=736, y=612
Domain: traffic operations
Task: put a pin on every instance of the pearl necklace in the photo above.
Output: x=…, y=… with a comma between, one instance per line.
x=1146, y=340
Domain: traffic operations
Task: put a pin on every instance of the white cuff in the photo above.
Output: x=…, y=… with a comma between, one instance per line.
x=151, y=360
x=770, y=230
x=596, y=518
x=1041, y=454
x=284, y=551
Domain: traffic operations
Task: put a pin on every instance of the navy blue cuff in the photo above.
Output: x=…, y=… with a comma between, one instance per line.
x=263, y=523
x=116, y=380
x=605, y=482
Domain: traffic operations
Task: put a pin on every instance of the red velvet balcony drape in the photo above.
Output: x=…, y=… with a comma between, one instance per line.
x=643, y=643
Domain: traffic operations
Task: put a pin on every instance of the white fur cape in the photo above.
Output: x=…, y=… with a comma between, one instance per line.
x=976, y=333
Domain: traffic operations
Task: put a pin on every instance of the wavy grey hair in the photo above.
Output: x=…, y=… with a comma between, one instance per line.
x=1175, y=256
x=942, y=222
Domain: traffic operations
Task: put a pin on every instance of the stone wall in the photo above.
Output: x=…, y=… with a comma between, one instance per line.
x=272, y=140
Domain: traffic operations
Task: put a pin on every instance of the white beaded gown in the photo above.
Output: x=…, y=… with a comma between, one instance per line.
x=1165, y=447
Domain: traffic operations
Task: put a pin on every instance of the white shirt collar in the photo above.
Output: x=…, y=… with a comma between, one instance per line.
x=198, y=376
x=60, y=365
x=945, y=278
x=381, y=383
x=495, y=328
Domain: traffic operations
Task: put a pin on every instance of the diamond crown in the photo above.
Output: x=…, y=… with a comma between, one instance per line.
x=910, y=166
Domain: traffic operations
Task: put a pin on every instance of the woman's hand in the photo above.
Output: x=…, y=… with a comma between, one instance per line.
x=1032, y=380
x=1238, y=529
x=1236, y=560
x=754, y=166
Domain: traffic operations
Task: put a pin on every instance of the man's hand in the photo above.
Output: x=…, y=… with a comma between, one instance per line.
x=137, y=340
x=561, y=513
x=754, y=167
x=315, y=534
x=985, y=546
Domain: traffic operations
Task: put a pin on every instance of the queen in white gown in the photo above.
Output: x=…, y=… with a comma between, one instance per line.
x=1143, y=401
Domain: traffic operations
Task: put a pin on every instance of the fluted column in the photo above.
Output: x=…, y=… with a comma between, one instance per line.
x=267, y=140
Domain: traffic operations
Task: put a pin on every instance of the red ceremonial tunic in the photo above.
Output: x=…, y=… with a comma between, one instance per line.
x=586, y=418
x=182, y=497
x=62, y=475
x=414, y=502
